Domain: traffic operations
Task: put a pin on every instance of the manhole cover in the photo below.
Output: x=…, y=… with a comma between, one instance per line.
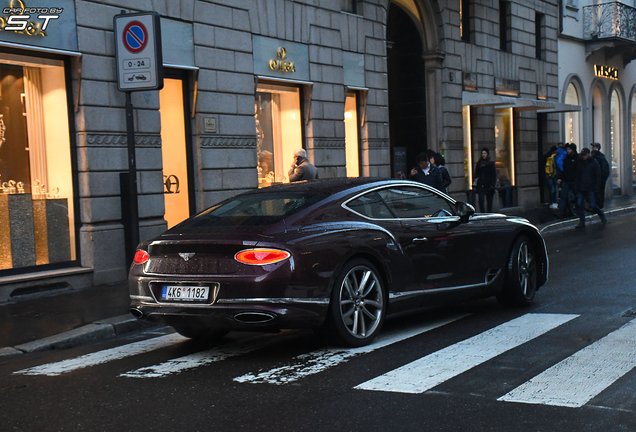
x=630, y=314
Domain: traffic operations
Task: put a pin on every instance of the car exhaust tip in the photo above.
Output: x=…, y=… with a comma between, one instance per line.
x=254, y=317
x=137, y=313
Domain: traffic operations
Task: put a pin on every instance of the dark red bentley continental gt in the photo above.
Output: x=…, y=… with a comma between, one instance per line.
x=338, y=255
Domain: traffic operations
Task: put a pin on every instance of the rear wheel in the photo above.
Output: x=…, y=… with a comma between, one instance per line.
x=520, y=284
x=358, y=305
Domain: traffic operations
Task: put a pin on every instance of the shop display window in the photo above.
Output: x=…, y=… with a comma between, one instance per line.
x=351, y=136
x=37, y=225
x=468, y=148
x=634, y=138
x=572, y=122
x=615, y=136
x=504, y=159
x=278, y=131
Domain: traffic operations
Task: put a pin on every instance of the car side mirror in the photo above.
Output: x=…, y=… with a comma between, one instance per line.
x=464, y=210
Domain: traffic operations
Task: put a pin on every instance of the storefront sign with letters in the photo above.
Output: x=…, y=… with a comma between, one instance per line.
x=606, y=72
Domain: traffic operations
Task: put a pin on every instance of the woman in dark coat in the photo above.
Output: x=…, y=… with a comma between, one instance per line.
x=485, y=180
x=439, y=161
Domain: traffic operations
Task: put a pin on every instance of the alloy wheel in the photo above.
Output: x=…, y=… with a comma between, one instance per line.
x=361, y=301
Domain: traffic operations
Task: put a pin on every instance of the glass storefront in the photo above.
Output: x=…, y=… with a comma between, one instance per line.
x=278, y=131
x=504, y=159
x=36, y=183
x=572, y=118
x=174, y=152
x=615, y=136
x=468, y=160
x=351, y=136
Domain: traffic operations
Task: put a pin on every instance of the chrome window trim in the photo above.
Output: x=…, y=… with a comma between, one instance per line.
x=410, y=184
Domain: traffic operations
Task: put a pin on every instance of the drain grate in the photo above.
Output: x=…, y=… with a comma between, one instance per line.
x=630, y=314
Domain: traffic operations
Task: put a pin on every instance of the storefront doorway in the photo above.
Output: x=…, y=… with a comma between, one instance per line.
x=407, y=91
x=175, y=149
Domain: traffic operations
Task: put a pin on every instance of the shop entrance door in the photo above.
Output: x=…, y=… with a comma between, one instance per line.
x=175, y=150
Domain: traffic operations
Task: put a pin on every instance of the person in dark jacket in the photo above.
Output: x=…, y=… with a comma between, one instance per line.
x=485, y=180
x=426, y=172
x=588, y=184
x=605, y=171
x=567, y=177
x=438, y=160
x=301, y=168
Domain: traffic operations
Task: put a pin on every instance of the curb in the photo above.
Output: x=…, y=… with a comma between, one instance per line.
x=561, y=225
x=99, y=330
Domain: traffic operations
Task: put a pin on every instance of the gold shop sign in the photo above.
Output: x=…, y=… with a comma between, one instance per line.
x=606, y=72
x=280, y=64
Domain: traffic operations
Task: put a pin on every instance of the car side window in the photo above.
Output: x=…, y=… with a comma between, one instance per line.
x=413, y=202
x=370, y=205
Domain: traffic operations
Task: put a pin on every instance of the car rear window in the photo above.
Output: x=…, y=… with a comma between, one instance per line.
x=257, y=208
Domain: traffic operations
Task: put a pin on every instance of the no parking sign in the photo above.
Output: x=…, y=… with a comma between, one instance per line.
x=138, y=51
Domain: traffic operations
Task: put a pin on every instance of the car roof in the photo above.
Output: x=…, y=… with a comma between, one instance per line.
x=330, y=185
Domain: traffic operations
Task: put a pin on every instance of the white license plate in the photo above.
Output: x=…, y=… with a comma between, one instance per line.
x=185, y=293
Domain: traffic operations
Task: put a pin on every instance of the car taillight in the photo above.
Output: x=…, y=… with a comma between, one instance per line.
x=141, y=257
x=261, y=256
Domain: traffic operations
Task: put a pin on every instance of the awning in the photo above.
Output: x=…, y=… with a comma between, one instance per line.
x=483, y=99
x=561, y=107
x=533, y=104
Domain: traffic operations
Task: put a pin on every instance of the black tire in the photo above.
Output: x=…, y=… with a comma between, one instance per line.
x=358, y=305
x=520, y=284
x=200, y=333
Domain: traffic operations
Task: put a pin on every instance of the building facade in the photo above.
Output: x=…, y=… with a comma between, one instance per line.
x=362, y=85
x=597, y=44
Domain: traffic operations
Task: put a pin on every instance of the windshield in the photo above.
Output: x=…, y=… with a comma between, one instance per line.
x=256, y=209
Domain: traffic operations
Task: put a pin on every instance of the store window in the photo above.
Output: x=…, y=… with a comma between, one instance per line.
x=615, y=139
x=468, y=160
x=351, y=136
x=572, y=119
x=597, y=117
x=36, y=185
x=505, y=159
x=634, y=138
x=174, y=152
x=278, y=131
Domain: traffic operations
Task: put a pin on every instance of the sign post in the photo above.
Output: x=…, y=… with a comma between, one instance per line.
x=139, y=68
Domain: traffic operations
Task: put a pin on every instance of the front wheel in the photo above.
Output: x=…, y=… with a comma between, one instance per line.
x=520, y=284
x=358, y=305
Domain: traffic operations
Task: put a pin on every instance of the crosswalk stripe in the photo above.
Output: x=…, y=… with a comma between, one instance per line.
x=243, y=346
x=96, y=358
x=582, y=376
x=323, y=359
x=432, y=370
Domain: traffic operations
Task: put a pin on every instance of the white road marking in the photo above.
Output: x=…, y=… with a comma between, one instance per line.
x=323, y=359
x=92, y=359
x=432, y=370
x=582, y=376
x=243, y=346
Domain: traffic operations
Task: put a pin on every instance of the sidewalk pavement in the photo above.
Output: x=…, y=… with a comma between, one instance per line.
x=66, y=318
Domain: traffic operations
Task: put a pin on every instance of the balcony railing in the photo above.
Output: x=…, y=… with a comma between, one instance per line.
x=609, y=20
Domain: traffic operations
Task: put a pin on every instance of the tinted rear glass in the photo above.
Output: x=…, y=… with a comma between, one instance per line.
x=256, y=209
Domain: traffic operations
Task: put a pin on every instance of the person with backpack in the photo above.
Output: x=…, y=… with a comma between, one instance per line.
x=551, y=176
x=567, y=177
x=605, y=172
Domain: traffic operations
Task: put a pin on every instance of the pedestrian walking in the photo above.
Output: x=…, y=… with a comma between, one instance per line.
x=567, y=177
x=605, y=172
x=439, y=161
x=485, y=180
x=551, y=176
x=301, y=168
x=588, y=184
x=427, y=173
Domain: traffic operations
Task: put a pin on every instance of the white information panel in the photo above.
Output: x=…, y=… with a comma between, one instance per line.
x=138, y=51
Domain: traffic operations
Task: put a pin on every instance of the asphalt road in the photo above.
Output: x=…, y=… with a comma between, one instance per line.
x=566, y=363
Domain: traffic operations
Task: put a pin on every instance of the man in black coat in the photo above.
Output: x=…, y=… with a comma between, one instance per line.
x=567, y=177
x=427, y=173
x=588, y=184
x=605, y=171
x=485, y=180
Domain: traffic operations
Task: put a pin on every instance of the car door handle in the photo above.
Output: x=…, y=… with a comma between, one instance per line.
x=420, y=240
